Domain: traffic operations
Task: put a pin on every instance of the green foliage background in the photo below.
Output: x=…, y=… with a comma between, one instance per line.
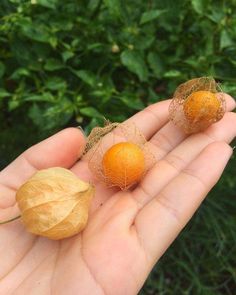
x=72, y=62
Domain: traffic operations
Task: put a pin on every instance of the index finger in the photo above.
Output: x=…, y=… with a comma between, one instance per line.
x=152, y=118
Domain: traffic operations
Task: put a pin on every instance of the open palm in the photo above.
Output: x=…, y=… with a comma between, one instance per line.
x=127, y=231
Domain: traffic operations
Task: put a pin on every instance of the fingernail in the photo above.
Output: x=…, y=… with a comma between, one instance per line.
x=82, y=130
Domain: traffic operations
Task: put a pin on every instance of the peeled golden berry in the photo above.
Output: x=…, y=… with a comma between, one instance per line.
x=123, y=164
x=202, y=105
x=54, y=203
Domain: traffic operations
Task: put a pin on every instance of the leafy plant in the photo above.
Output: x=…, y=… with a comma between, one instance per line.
x=75, y=62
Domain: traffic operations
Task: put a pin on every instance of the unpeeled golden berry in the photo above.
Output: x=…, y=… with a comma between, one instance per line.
x=54, y=203
x=118, y=154
x=123, y=164
x=202, y=105
x=197, y=104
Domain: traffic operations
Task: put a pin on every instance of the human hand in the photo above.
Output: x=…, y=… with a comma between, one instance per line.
x=128, y=231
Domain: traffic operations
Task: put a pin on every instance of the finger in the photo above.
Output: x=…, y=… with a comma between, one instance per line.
x=161, y=220
x=170, y=135
x=181, y=156
x=152, y=118
x=61, y=149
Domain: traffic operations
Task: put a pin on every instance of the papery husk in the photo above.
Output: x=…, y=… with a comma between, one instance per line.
x=103, y=138
x=54, y=203
x=183, y=91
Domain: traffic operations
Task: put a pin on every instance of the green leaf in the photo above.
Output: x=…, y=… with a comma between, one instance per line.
x=48, y=117
x=35, y=113
x=114, y=6
x=15, y=1
x=117, y=8
x=67, y=55
x=53, y=41
x=95, y=46
x=90, y=112
x=153, y=97
x=144, y=42
x=156, y=64
x=93, y=4
x=151, y=15
x=53, y=64
x=199, y=6
x=56, y=83
x=233, y=61
x=86, y=76
x=229, y=87
x=59, y=114
x=135, y=63
x=172, y=74
x=225, y=40
x=35, y=31
x=19, y=73
x=132, y=102
x=13, y=104
x=4, y=93
x=45, y=97
x=2, y=69
x=192, y=61
x=47, y=3
x=216, y=15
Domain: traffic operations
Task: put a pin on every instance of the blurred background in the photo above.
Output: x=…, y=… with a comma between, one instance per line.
x=74, y=62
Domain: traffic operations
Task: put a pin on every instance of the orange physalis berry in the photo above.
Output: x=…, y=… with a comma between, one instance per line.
x=118, y=154
x=123, y=164
x=197, y=104
x=201, y=105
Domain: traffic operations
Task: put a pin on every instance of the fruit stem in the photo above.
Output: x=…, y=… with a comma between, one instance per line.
x=6, y=221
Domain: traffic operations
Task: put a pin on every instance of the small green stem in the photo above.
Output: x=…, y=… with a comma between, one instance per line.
x=3, y=222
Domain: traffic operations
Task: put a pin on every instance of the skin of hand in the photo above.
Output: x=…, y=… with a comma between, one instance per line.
x=127, y=231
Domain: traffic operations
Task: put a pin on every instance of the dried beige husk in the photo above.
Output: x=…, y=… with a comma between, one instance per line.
x=101, y=139
x=183, y=92
x=54, y=203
